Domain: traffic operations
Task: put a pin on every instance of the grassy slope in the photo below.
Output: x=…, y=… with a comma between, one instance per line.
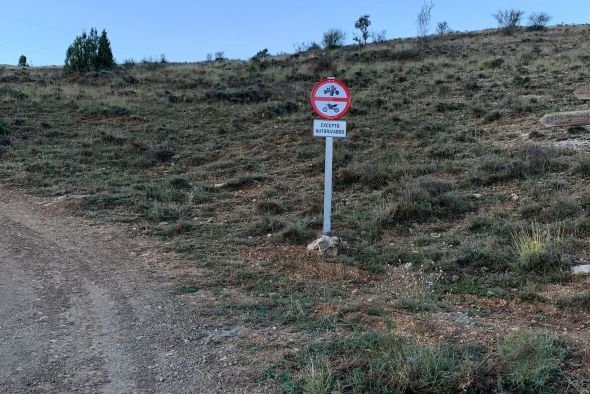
x=444, y=166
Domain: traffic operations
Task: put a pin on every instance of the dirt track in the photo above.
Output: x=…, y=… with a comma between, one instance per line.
x=78, y=312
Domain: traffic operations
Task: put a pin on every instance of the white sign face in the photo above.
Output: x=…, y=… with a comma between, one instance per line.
x=329, y=128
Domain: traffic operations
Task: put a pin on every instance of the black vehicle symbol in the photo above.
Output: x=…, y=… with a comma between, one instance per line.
x=333, y=107
x=332, y=90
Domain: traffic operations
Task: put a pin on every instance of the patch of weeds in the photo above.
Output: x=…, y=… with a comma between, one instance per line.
x=269, y=207
x=244, y=180
x=538, y=251
x=180, y=182
x=578, y=301
x=164, y=152
x=377, y=363
x=428, y=199
x=530, y=362
x=564, y=207
x=445, y=106
x=242, y=94
x=158, y=212
x=420, y=292
x=273, y=109
x=186, y=290
x=266, y=225
x=3, y=127
x=106, y=201
x=181, y=228
x=583, y=166
x=531, y=294
x=294, y=232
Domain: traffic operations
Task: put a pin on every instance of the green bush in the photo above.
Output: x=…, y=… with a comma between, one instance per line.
x=89, y=52
x=333, y=38
x=538, y=20
x=22, y=61
x=508, y=20
x=3, y=127
x=530, y=361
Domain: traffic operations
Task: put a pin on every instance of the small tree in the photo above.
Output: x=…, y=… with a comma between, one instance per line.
x=362, y=24
x=22, y=61
x=538, y=20
x=333, y=38
x=423, y=18
x=508, y=19
x=104, y=54
x=442, y=28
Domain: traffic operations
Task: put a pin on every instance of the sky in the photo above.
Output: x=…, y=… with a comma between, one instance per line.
x=186, y=31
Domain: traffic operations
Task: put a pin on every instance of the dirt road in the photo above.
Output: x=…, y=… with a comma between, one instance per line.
x=84, y=309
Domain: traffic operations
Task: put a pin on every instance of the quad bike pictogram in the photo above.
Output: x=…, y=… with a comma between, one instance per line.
x=332, y=90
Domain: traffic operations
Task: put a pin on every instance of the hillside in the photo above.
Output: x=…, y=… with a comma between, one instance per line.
x=461, y=214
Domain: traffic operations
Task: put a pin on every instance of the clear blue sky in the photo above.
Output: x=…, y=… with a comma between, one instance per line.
x=186, y=30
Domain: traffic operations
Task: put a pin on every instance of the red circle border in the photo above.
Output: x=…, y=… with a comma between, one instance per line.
x=339, y=83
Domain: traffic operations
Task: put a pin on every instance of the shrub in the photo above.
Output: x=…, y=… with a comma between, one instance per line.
x=333, y=38
x=530, y=361
x=262, y=54
x=583, y=167
x=220, y=56
x=306, y=47
x=362, y=24
x=3, y=127
x=538, y=20
x=22, y=61
x=89, y=52
x=379, y=37
x=508, y=19
x=442, y=28
x=538, y=251
x=382, y=363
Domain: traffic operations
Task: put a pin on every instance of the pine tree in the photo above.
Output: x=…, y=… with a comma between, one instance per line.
x=104, y=59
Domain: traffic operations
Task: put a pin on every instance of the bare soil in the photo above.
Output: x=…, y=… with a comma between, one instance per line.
x=94, y=309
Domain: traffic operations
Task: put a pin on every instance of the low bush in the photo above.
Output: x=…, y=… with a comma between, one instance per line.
x=3, y=127
x=245, y=94
x=333, y=38
x=538, y=251
x=508, y=20
x=427, y=199
x=530, y=362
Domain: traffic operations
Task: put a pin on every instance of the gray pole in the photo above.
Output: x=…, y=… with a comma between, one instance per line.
x=328, y=185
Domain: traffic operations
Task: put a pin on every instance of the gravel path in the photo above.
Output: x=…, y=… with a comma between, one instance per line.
x=78, y=314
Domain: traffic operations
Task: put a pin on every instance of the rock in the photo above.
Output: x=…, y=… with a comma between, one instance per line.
x=477, y=195
x=581, y=269
x=514, y=197
x=325, y=245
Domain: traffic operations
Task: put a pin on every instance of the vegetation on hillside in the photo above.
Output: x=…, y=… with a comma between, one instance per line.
x=461, y=214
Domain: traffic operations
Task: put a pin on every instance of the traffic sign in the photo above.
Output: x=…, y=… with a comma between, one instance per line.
x=330, y=99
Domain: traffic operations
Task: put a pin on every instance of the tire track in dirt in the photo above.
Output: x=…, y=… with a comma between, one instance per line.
x=76, y=313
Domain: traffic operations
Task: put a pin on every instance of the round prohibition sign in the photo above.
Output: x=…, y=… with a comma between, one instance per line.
x=330, y=99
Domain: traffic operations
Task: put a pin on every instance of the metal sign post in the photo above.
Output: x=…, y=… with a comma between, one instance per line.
x=330, y=99
x=328, y=185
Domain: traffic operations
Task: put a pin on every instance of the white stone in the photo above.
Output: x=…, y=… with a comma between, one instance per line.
x=581, y=269
x=325, y=245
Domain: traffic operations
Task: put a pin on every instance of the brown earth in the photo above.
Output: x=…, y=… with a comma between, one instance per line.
x=94, y=309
